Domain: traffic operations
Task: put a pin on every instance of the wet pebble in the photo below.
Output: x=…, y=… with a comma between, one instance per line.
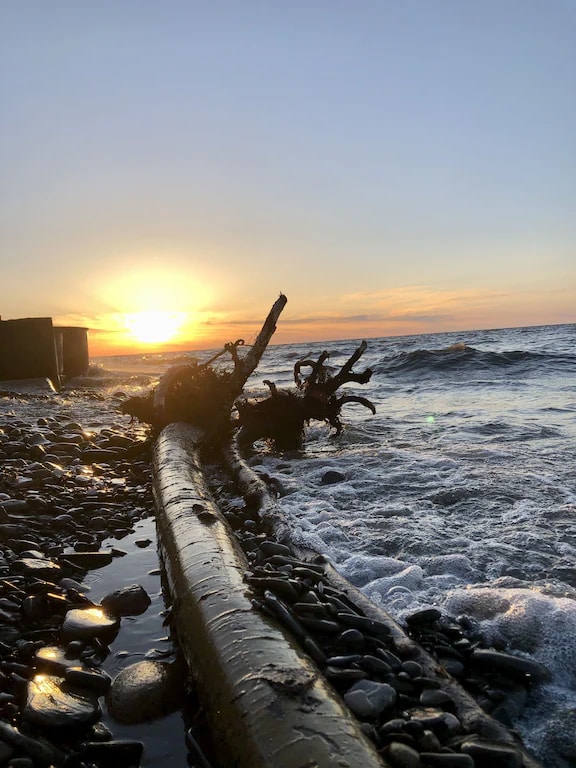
x=145, y=691
x=52, y=704
x=132, y=600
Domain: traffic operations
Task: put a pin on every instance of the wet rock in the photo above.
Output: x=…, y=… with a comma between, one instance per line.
x=129, y=601
x=39, y=749
x=367, y=698
x=402, y=756
x=50, y=703
x=491, y=753
x=92, y=679
x=88, y=622
x=435, y=698
x=145, y=691
x=53, y=660
x=37, y=566
x=515, y=667
x=423, y=617
x=332, y=476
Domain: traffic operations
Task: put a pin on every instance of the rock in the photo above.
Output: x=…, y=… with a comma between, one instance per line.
x=92, y=679
x=129, y=601
x=145, y=691
x=359, y=704
x=380, y=696
x=39, y=749
x=37, y=566
x=89, y=622
x=402, y=756
x=423, y=617
x=431, y=697
x=412, y=668
x=496, y=755
x=332, y=476
x=51, y=705
x=52, y=660
x=516, y=667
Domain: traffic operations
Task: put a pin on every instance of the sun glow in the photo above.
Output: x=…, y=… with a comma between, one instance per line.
x=156, y=327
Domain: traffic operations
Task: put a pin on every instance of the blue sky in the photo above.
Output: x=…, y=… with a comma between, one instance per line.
x=393, y=167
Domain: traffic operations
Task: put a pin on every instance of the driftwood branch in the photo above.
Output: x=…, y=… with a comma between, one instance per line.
x=283, y=414
x=201, y=394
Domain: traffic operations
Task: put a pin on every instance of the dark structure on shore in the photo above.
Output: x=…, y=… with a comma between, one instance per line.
x=33, y=347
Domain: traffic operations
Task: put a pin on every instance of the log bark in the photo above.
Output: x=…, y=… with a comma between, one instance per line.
x=267, y=703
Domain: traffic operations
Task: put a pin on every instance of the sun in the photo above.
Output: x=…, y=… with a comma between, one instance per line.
x=154, y=327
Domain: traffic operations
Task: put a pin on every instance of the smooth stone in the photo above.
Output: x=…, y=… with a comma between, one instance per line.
x=50, y=705
x=380, y=695
x=431, y=697
x=93, y=679
x=35, y=607
x=16, y=506
x=146, y=691
x=423, y=617
x=332, y=476
x=515, y=666
x=21, y=762
x=359, y=704
x=36, y=566
x=269, y=548
x=88, y=622
x=339, y=674
x=489, y=752
x=352, y=639
x=375, y=666
x=402, y=756
x=68, y=583
x=52, y=659
x=128, y=601
x=412, y=668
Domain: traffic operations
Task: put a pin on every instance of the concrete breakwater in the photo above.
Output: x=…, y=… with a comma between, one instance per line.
x=294, y=665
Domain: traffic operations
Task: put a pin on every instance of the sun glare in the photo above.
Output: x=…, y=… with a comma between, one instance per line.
x=154, y=327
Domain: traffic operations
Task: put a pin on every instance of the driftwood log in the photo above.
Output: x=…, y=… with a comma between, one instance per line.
x=283, y=415
x=204, y=395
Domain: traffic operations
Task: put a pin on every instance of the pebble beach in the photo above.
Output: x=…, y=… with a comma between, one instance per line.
x=71, y=497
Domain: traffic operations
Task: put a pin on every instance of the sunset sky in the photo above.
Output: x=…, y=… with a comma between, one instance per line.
x=392, y=166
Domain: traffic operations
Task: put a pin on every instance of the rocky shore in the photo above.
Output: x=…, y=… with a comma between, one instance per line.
x=63, y=491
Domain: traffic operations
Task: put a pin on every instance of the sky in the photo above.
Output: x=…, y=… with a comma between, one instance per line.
x=168, y=167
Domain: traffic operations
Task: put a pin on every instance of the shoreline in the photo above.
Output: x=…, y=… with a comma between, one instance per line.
x=98, y=451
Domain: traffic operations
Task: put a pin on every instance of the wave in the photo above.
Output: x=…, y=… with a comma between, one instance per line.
x=461, y=357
